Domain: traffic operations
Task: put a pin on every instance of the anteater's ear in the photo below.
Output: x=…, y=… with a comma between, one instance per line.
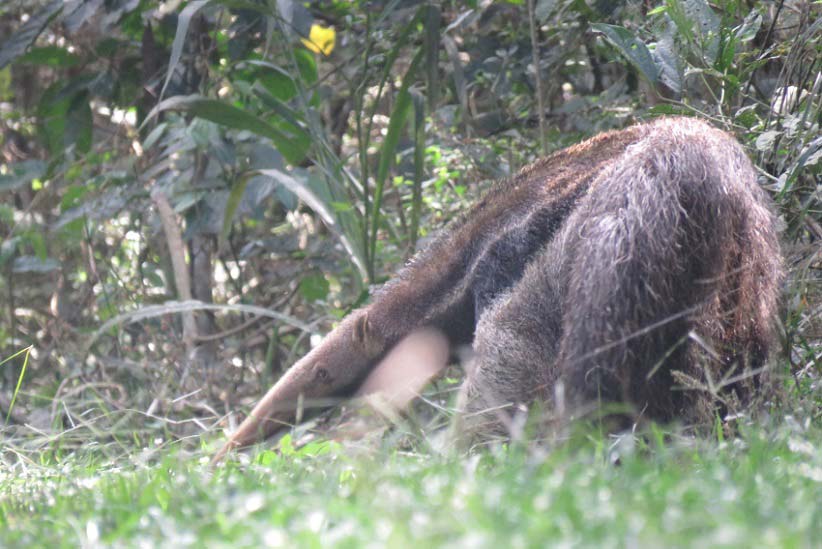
x=366, y=337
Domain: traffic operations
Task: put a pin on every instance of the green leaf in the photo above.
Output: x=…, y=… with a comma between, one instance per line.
x=275, y=79
x=419, y=164
x=245, y=5
x=276, y=105
x=388, y=152
x=16, y=392
x=33, y=264
x=746, y=116
x=19, y=42
x=307, y=65
x=7, y=249
x=51, y=56
x=290, y=146
x=37, y=241
x=632, y=48
x=545, y=9
x=183, y=21
x=51, y=119
x=314, y=287
x=78, y=130
x=233, y=202
x=72, y=195
x=668, y=59
x=765, y=141
x=322, y=208
x=664, y=108
x=749, y=27
x=155, y=135
x=698, y=23
x=432, y=38
x=22, y=173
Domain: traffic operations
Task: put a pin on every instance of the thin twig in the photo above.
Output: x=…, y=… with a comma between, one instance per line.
x=532, y=20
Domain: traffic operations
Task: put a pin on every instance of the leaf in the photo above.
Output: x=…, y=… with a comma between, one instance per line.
x=276, y=105
x=765, y=140
x=102, y=207
x=457, y=73
x=7, y=249
x=668, y=59
x=314, y=287
x=276, y=80
x=232, y=117
x=64, y=115
x=154, y=135
x=250, y=5
x=665, y=108
x=749, y=27
x=307, y=66
x=632, y=48
x=296, y=17
x=33, y=264
x=312, y=199
x=433, y=18
x=37, y=241
x=153, y=311
x=419, y=165
x=78, y=130
x=19, y=42
x=16, y=392
x=698, y=23
x=545, y=9
x=234, y=199
x=79, y=13
x=708, y=24
x=22, y=173
x=50, y=56
x=183, y=20
x=812, y=154
x=388, y=152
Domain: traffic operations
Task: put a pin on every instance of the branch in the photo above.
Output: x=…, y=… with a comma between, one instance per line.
x=176, y=249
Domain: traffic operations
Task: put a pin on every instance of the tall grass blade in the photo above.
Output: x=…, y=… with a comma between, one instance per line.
x=27, y=351
x=389, y=147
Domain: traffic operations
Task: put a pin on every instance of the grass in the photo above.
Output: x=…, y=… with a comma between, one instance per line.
x=763, y=488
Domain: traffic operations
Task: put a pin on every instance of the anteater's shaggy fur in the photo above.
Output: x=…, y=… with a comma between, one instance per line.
x=640, y=267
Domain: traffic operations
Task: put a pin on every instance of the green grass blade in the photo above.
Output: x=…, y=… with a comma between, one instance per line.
x=27, y=351
x=389, y=147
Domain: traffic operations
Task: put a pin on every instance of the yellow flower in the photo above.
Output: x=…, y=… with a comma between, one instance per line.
x=320, y=40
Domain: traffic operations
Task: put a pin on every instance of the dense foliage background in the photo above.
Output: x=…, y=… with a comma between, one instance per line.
x=192, y=191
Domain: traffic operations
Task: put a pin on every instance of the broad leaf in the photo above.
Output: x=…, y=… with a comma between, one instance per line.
x=183, y=22
x=324, y=210
x=314, y=287
x=749, y=27
x=51, y=56
x=78, y=130
x=668, y=59
x=19, y=42
x=22, y=173
x=291, y=147
x=34, y=264
x=631, y=47
x=233, y=202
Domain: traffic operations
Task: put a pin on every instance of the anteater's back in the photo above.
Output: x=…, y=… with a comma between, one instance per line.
x=640, y=267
